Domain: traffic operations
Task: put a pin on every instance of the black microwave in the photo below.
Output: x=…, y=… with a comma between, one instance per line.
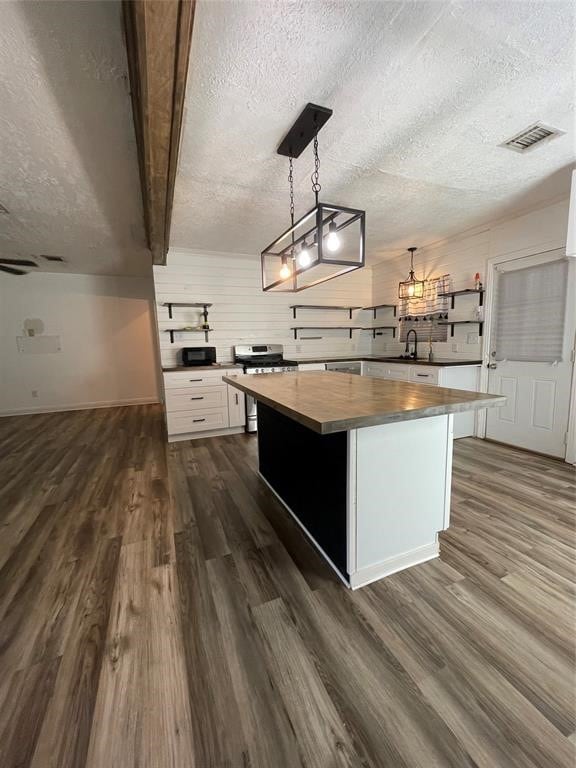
x=198, y=356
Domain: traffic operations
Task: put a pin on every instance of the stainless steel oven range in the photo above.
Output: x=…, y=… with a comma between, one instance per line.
x=260, y=358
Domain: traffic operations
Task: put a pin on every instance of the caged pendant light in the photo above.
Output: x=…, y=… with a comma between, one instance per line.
x=411, y=288
x=326, y=242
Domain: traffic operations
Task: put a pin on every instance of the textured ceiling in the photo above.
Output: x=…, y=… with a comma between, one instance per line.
x=422, y=92
x=68, y=164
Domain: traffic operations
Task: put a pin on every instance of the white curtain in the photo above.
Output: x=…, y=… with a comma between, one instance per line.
x=531, y=307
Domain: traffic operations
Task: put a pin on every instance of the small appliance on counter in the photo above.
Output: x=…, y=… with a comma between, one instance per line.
x=192, y=356
x=260, y=358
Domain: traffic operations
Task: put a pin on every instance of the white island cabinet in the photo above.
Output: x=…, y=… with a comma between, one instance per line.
x=198, y=403
x=362, y=464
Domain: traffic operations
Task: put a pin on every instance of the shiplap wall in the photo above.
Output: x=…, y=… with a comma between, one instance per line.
x=244, y=314
x=461, y=258
x=533, y=232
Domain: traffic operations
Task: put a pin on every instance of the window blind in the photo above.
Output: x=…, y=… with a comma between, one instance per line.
x=530, y=313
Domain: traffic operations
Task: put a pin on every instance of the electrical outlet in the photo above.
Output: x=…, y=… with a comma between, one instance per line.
x=298, y=347
x=455, y=348
x=473, y=338
x=34, y=393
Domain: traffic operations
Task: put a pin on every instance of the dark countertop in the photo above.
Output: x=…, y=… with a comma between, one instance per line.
x=213, y=367
x=329, y=402
x=440, y=362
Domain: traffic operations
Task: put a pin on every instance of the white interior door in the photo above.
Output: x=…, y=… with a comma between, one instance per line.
x=531, y=349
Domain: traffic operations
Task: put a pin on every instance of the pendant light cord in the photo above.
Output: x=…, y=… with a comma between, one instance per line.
x=315, y=183
x=291, y=183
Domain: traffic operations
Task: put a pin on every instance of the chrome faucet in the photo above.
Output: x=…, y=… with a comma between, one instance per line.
x=415, y=353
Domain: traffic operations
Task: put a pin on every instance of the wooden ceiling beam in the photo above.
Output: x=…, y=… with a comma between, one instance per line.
x=158, y=38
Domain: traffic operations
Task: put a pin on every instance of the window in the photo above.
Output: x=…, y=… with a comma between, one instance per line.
x=530, y=313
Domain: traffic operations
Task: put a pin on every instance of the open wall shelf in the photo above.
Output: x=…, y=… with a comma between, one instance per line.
x=296, y=307
x=452, y=323
x=464, y=292
x=202, y=304
x=376, y=307
x=375, y=328
x=195, y=304
x=172, y=331
x=325, y=328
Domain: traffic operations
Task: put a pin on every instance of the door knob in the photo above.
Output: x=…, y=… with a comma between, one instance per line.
x=492, y=365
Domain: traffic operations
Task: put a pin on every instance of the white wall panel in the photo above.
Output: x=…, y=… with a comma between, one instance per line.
x=244, y=314
x=461, y=258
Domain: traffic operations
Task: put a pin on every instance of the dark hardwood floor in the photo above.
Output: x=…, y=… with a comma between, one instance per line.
x=159, y=609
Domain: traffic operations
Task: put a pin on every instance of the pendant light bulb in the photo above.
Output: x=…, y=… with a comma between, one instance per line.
x=332, y=241
x=285, y=270
x=304, y=256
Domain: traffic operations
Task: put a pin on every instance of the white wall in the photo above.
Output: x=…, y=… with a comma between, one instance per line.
x=243, y=314
x=107, y=352
x=462, y=257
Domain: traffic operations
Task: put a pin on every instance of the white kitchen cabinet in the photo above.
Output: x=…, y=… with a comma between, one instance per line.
x=196, y=398
x=186, y=422
x=236, y=407
x=199, y=403
x=454, y=377
x=376, y=370
x=462, y=377
x=421, y=374
x=196, y=378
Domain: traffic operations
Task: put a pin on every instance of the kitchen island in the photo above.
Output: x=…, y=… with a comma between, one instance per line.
x=363, y=465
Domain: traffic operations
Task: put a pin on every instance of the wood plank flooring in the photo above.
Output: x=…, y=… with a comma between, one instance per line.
x=159, y=609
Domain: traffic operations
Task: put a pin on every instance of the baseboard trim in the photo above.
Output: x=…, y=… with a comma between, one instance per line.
x=78, y=406
x=208, y=433
x=365, y=576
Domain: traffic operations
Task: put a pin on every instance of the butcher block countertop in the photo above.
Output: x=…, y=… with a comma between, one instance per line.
x=326, y=401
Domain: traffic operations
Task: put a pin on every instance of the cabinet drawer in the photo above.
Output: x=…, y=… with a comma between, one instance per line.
x=196, y=421
x=377, y=370
x=194, y=398
x=179, y=379
x=399, y=372
x=424, y=375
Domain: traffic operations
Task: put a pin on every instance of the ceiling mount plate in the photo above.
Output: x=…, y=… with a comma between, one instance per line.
x=307, y=125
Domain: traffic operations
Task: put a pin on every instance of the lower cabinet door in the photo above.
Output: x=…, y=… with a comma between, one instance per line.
x=236, y=407
x=180, y=422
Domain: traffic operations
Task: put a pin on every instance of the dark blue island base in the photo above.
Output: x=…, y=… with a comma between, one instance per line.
x=308, y=472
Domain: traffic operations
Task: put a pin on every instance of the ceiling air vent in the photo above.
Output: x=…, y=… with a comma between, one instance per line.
x=532, y=136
